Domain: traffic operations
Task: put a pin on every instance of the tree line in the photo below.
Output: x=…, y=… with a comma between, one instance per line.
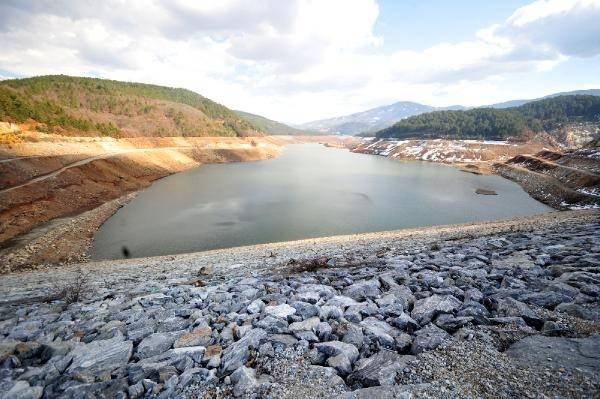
x=498, y=124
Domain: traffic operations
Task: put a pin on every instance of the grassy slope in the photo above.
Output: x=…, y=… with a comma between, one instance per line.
x=272, y=127
x=489, y=123
x=75, y=106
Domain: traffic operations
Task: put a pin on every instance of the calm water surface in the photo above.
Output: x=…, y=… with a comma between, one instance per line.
x=309, y=191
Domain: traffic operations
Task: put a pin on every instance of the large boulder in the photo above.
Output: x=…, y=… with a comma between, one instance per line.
x=281, y=311
x=236, y=354
x=334, y=348
x=22, y=390
x=378, y=330
x=512, y=308
x=99, y=358
x=363, y=290
x=541, y=353
x=155, y=344
x=426, y=309
x=379, y=369
x=428, y=338
x=244, y=381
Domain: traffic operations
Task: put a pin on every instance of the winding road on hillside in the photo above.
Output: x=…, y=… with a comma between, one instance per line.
x=57, y=172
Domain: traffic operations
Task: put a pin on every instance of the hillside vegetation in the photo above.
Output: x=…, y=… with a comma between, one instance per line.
x=270, y=126
x=498, y=124
x=75, y=106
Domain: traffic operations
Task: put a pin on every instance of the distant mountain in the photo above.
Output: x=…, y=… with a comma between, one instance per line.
x=516, y=103
x=370, y=120
x=385, y=116
x=272, y=127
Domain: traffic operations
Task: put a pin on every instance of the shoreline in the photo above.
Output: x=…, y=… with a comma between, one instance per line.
x=346, y=250
x=26, y=250
x=40, y=247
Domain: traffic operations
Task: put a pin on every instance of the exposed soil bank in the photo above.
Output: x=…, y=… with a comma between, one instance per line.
x=569, y=180
x=46, y=177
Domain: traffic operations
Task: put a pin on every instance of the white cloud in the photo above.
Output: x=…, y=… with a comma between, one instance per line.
x=292, y=60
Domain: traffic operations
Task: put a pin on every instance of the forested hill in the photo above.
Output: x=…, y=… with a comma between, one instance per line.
x=87, y=106
x=498, y=124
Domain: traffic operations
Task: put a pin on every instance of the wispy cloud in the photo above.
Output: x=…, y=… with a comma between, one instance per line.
x=293, y=60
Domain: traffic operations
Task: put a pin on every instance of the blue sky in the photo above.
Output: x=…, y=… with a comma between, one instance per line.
x=300, y=60
x=418, y=24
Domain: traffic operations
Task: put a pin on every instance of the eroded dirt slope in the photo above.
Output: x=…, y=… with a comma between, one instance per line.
x=568, y=180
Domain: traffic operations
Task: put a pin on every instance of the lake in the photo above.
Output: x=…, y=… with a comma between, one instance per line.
x=309, y=191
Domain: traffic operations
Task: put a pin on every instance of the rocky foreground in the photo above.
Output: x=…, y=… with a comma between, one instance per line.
x=505, y=309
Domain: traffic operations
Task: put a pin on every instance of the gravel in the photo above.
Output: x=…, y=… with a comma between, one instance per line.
x=505, y=309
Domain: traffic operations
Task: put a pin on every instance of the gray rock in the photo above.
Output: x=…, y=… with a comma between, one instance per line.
x=282, y=311
x=540, y=353
x=311, y=293
x=116, y=388
x=403, y=342
x=273, y=325
x=136, y=391
x=192, y=376
x=546, y=299
x=155, y=344
x=323, y=330
x=576, y=310
x=352, y=334
x=451, y=323
x=140, y=333
x=282, y=341
x=378, y=330
x=473, y=294
x=173, y=324
x=334, y=348
x=244, y=381
x=513, y=308
x=405, y=323
x=428, y=338
x=379, y=369
x=235, y=355
x=426, y=309
x=330, y=312
x=340, y=363
x=404, y=295
x=363, y=290
x=511, y=320
x=98, y=358
x=387, y=392
x=305, y=309
x=341, y=301
x=306, y=325
x=22, y=390
x=255, y=306
x=473, y=309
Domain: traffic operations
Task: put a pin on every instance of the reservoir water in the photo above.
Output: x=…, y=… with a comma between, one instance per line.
x=309, y=191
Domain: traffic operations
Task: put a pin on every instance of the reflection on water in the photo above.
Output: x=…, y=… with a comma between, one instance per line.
x=310, y=191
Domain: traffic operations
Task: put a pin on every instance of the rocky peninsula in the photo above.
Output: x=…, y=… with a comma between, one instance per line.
x=501, y=309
